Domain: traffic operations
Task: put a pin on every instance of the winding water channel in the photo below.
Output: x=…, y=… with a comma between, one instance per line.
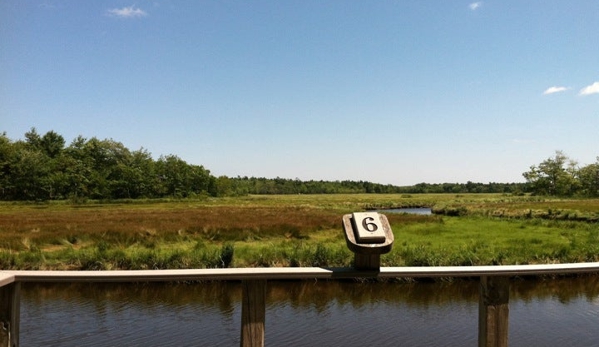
x=409, y=210
x=559, y=312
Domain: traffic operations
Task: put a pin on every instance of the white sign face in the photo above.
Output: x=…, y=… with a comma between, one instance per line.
x=368, y=227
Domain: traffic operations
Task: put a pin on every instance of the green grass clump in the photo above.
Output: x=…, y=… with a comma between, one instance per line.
x=482, y=241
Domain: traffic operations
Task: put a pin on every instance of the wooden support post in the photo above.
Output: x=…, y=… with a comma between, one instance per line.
x=367, y=262
x=9, y=314
x=253, y=312
x=493, y=311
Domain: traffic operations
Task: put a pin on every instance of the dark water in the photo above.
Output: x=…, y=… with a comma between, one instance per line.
x=409, y=210
x=562, y=312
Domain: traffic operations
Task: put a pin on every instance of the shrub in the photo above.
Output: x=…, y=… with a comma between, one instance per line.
x=226, y=255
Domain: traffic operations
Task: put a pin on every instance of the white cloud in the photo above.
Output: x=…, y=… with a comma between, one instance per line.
x=592, y=89
x=555, y=89
x=127, y=12
x=475, y=5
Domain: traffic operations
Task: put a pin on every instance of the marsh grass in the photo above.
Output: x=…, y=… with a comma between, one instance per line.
x=293, y=231
x=484, y=241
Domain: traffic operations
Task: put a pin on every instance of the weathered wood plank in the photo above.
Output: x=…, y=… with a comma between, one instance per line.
x=10, y=314
x=6, y=278
x=253, y=313
x=367, y=262
x=295, y=273
x=493, y=318
x=6, y=297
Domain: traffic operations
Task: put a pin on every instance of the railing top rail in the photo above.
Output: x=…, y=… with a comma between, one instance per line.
x=7, y=277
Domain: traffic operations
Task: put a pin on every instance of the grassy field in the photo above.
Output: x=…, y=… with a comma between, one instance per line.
x=294, y=230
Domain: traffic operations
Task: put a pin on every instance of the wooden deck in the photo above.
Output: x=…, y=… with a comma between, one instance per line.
x=493, y=304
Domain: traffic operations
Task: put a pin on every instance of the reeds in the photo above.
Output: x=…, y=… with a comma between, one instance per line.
x=291, y=231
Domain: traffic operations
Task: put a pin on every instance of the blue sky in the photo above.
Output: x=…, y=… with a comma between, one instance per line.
x=397, y=92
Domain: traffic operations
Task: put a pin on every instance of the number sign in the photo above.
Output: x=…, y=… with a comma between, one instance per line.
x=368, y=227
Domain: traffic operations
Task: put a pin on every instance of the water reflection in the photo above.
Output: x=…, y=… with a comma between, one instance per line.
x=409, y=210
x=305, y=313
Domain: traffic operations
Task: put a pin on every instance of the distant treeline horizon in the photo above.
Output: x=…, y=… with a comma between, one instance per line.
x=41, y=167
x=262, y=185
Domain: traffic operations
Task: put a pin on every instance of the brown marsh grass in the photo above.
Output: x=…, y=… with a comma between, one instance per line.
x=131, y=225
x=297, y=230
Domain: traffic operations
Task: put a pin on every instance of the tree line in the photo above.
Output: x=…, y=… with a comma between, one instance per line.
x=253, y=185
x=43, y=167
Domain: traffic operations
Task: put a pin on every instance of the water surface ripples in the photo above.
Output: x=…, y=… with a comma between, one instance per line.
x=561, y=312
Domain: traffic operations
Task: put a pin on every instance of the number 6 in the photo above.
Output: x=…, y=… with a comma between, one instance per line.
x=368, y=224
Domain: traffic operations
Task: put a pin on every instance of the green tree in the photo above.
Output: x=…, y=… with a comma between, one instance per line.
x=33, y=139
x=104, y=157
x=554, y=176
x=52, y=144
x=224, y=186
x=30, y=175
x=6, y=150
x=179, y=179
x=77, y=169
x=134, y=176
x=589, y=179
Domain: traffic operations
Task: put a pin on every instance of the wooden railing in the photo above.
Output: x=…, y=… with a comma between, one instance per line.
x=493, y=303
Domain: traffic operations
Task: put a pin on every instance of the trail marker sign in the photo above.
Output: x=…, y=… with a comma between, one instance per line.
x=368, y=227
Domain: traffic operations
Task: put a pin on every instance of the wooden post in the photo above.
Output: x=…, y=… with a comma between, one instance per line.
x=367, y=262
x=9, y=314
x=253, y=312
x=493, y=311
